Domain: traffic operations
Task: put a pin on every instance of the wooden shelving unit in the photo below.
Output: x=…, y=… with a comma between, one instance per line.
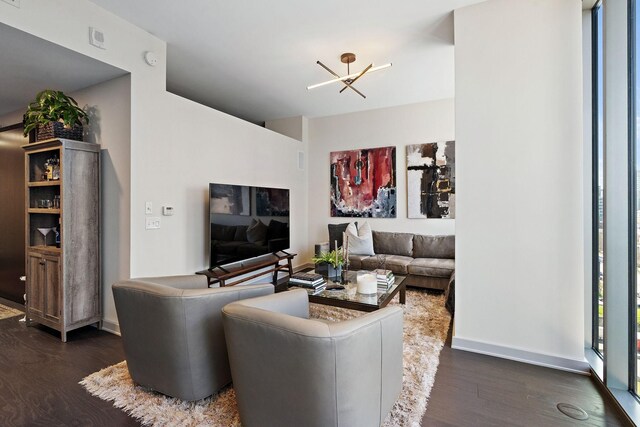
x=63, y=279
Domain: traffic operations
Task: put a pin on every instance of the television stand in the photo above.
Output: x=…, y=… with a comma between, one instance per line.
x=270, y=263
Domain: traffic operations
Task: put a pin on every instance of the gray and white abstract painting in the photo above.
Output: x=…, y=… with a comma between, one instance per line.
x=431, y=180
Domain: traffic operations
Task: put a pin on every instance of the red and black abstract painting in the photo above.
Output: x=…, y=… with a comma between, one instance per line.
x=363, y=183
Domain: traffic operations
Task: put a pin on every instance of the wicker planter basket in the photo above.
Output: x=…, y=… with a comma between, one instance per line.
x=57, y=130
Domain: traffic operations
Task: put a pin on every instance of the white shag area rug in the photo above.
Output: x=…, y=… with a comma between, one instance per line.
x=426, y=323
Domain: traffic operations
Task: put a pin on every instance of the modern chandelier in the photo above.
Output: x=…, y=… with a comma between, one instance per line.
x=350, y=78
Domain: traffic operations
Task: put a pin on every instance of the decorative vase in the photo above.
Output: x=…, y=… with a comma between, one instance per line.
x=335, y=272
x=328, y=270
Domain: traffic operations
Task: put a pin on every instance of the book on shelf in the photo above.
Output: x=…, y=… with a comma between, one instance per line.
x=306, y=277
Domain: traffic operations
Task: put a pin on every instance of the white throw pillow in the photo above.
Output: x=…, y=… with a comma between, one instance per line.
x=360, y=239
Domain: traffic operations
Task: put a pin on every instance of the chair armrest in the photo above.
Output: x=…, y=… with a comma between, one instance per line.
x=293, y=303
x=189, y=281
x=384, y=315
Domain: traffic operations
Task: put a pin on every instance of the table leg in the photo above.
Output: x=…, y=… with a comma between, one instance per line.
x=290, y=266
x=275, y=273
x=403, y=295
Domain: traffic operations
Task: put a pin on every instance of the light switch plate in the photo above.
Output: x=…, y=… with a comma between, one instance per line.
x=152, y=223
x=148, y=208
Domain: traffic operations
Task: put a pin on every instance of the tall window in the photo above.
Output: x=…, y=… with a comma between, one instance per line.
x=598, y=183
x=634, y=187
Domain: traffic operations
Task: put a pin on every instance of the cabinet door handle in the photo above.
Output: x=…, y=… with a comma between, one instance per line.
x=41, y=262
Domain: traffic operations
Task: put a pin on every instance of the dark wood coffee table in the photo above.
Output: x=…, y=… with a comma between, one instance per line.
x=351, y=299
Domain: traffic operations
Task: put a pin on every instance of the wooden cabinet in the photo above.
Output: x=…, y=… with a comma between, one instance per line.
x=44, y=269
x=63, y=234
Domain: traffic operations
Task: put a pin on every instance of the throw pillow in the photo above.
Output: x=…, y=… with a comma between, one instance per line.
x=335, y=234
x=257, y=232
x=241, y=233
x=277, y=230
x=360, y=239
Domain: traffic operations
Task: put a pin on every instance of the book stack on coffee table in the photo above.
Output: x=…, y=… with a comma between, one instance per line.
x=385, y=279
x=311, y=281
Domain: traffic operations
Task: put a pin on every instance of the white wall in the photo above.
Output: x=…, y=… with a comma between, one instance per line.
x=177, y=146
x=178, y=171
x=293, y=127
x=519, y=246
x=394, y=126
x=109, y=105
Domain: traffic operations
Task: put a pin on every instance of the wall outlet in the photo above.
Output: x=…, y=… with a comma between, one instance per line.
x=148, y=208
x=15, y=3
x=152, y=223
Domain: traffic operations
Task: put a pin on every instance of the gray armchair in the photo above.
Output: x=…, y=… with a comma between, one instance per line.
x=173, y=337
x=289, y=370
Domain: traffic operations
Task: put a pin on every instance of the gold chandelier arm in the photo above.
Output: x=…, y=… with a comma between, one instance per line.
x=381, y=67
x=357, y=77
x=346, y=85
x=327, y=68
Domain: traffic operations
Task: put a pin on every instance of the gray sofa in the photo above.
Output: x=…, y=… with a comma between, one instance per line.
x=172, y=332
x=289, y=370
x=427, y=261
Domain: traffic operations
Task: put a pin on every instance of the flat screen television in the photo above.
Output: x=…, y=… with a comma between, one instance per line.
x=246, y=222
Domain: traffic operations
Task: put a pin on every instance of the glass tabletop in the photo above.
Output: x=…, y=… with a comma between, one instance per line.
x=350, y=293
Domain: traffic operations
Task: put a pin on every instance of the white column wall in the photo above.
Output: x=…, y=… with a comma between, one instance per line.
x=519, y=148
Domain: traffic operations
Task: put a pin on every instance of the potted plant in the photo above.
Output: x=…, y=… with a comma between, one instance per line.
x=54, y=115
x=330, y=263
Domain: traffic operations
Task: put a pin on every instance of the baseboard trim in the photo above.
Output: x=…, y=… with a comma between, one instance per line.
x=111, y=327
x=303, y=266
x=520, y=355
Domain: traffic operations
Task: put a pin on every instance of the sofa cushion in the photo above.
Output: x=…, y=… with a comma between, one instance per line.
x=355, y=261
x=360, y=240
x=241, y=233
x=222, y=232
x=257, y=232
x=335, y=233
x=396, y=263
x=434, y=267
x=393, y=243
x=434, y=246
x=277, y=230
x=223, y=247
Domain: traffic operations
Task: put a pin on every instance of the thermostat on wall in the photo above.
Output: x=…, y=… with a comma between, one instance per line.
x=167, y=210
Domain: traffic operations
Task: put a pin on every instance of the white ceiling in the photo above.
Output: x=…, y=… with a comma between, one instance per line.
x=29, y=64
x=254, y=59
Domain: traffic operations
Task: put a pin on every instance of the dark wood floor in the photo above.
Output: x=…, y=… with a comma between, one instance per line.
x=476, y=390
x=39, y=385
x=39, y=377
